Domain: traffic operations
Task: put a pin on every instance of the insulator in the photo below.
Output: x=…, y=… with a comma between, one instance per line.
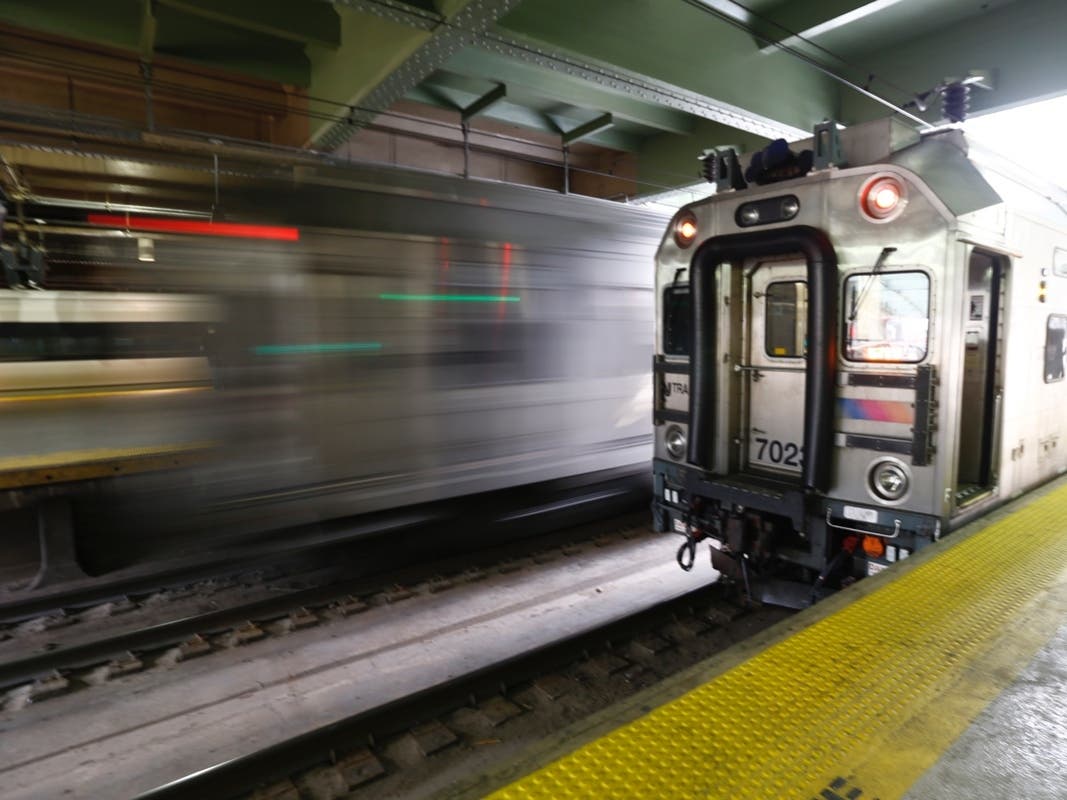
x=955, y=101
x=708, y=168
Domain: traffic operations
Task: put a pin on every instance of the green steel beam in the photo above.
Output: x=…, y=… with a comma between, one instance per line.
x=307, y=23
x=593, y=126
x=148, y=30
x=123, y=24
x=1020, y=44
x=370, y=73
x=113, y=22
x=680, y=54
x=484, y=102
x=528, y=81
x=227, y=48
x=522, y=116
x=791, y=22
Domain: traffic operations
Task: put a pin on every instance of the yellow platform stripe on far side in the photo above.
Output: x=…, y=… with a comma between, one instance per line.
x=61, y=394
x=76, y=465
x=862, y=701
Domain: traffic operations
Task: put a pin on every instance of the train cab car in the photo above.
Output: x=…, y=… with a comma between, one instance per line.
x=858, y=348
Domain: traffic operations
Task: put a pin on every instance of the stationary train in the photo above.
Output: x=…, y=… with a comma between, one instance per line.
x=860, y=346
x=265, y=343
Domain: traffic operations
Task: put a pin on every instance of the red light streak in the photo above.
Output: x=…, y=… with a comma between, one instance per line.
x=235, y=230
x=504, y=276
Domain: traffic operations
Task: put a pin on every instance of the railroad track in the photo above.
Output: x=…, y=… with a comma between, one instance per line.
x=375, y=691
x=422, y=745
x=73, y=649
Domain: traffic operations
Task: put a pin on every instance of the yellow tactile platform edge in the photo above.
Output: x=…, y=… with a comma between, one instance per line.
x=98, y=394
x=857, y=705
x=78, y=465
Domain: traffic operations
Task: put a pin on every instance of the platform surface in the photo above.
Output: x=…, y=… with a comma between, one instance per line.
x=944, y=677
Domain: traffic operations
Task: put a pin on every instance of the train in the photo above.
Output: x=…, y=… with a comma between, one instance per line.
x=192, y=343
x=859, y=347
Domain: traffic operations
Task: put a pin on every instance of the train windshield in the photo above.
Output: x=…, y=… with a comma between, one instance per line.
x=887, y=316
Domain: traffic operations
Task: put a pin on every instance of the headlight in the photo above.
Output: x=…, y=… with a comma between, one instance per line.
x=675, y=441
x=882, y=198
x=685, y=229
x=889, y=480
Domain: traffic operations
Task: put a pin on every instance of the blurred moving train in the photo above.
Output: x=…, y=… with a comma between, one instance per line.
x=273, y=343
x=854, y=358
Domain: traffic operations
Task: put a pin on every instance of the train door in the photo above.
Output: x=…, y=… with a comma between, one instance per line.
x=774, y=368
x=980, y=403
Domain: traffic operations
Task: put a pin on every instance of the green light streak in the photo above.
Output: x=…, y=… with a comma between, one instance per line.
x=315, y=349
x=450, y=298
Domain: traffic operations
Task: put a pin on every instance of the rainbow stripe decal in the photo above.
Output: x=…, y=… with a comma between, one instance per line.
x=876, y=410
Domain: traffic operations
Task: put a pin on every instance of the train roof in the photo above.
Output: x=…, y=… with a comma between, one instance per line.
x=966, y=175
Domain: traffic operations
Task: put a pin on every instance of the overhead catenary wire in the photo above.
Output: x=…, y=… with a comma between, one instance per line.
x=807, y=59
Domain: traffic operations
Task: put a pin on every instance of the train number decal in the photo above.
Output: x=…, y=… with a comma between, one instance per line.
x=774, y=451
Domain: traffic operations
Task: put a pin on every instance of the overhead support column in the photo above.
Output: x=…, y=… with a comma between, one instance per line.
x=147, y=48
x=475, y=108
x=603, y=122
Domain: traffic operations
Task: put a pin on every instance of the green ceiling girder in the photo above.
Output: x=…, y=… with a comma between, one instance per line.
x=370, y=73
x=587, y=129
x=811, y=18
x=171, y=30
x=684, y=46
x=483, y=103
x=149, y=25
x=230, y=49
x=373, y=48
x=113, y=22
x=449, y=8
x=527, y=83
x=307, y=23
x=523, y=116
x=1020, y=44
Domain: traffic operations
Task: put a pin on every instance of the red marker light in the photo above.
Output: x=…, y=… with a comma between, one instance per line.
x=236, y=230
x=886, y=198
x=882, y=198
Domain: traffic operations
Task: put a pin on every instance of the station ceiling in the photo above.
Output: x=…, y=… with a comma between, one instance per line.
x=661, y=79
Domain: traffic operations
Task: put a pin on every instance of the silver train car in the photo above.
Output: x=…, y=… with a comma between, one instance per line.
x=348, y=339
x=858, y=348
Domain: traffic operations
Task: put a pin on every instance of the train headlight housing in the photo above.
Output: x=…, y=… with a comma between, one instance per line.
x=889, y=480
x=685, y=229
x=882, y=198
x=675, y=441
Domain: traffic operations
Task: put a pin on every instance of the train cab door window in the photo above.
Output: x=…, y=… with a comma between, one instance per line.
x=773, y=370
x=786, y=304
x=982, y=365
x=887, y=317
x=677, y=321
x=1055, y=348
x=1059, y=262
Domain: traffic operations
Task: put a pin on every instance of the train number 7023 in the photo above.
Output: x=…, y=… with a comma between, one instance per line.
x=788, y=454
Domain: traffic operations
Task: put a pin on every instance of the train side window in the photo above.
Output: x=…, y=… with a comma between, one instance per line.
x=786, y=319
x=81, y=341
x=677, y=321
x=1059, y=262
x=887, y=317
x=1055, y=348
